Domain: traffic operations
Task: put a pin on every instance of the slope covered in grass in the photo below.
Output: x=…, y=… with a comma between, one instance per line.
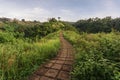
x=97, y=55
x=19, y=58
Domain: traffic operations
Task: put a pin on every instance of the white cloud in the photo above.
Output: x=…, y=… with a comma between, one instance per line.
x=12, y=10
x=67, y=15
x=66, y=12
x=109, y=3
x=33, y=13
x=36, y=13
x=109, y=8
x=28, y=14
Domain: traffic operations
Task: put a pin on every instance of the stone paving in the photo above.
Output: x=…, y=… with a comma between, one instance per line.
x=59, y=67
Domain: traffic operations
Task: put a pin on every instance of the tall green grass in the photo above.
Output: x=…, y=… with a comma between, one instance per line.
x=97, y=55
x=19, y=58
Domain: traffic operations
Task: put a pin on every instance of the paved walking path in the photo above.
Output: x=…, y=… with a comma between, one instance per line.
x=59, y=67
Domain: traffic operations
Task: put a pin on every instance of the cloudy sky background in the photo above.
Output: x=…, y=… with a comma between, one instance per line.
x=68, y=10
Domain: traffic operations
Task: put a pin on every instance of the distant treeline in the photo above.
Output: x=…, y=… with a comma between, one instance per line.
x=39, y=29
x=33, y=29
x=95, y=25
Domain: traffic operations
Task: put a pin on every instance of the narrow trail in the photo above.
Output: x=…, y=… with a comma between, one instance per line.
x=59, y=67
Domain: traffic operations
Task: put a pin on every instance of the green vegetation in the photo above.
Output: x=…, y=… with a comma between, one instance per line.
x=19, y=58
x=95, y=25
x=34, y=29
x=97, y=55
x=25, y=45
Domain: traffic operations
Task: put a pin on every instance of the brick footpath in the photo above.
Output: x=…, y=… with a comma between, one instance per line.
x=59, y=67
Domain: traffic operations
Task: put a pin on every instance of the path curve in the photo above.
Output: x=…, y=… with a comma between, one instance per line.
x=59, y=67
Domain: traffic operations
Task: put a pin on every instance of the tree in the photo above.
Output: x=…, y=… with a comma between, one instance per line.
x=59, y=18
x=52, y=20
x=23, y=20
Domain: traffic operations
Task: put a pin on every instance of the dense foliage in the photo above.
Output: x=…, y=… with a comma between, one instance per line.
x=25, y=45
x=19, y=57
x=97, y=56
x=33, y=29
x=95, y=25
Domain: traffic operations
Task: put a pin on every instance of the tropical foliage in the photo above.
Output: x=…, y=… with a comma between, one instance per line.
x=97, y=55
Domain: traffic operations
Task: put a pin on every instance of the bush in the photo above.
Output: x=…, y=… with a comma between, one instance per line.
x=20, y=58
x=97, y=56
x=6, y=37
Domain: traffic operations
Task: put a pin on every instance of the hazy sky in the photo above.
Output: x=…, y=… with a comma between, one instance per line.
x=70, y=10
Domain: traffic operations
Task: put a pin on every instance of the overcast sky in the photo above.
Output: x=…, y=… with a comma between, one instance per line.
x=70, y=10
